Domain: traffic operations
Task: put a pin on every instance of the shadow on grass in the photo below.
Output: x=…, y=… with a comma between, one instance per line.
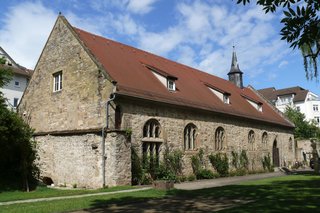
x=279, y=196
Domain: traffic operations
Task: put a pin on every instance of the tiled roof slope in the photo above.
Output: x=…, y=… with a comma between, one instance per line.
x=127, y=66
x=18, y=70
x=271, y=93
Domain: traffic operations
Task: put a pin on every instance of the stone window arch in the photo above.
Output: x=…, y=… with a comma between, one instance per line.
x=190, y=137
x=251, y=140
x=219, y=139
x=290, y=144
x=264, y=139
x=151, y=129
x=151, y=145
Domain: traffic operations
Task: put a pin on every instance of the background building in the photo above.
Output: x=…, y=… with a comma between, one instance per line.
x=13, y=91
x=297, y=97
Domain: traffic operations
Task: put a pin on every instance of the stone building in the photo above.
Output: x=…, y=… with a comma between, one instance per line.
x=91, y=99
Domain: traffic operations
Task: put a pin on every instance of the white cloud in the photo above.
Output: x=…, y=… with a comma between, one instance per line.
x=25, y=30
x=140, y=6
x=283, y=63
x=134, y=6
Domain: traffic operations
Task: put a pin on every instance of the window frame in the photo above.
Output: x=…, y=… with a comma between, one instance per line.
x=171, y=82
x=219, y=138
x=190, y=136
x=315, y=107
x=57, y=81
x=15, y=83
x=15, y=100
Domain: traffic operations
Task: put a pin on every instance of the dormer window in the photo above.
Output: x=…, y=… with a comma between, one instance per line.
x=255, y=103
x=226, y=99
x=171, y=85
x=165, y=78
x=222, y=95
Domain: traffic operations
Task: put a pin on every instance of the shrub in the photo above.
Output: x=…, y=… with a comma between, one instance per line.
x=220, y=163
x=136, y=168
x=197, y=162
x=235, y=160
x=171, y=166
x=206, y=174
x=191, y=177
x=266, y=163
x=238, y=172
x=244, y=162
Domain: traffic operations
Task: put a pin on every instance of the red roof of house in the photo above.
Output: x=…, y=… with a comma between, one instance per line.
x=300, y=94
x=130, y=68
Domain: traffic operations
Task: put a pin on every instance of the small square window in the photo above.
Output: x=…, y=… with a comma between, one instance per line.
x=57, y=81
x=298, y=108
x=226, y=99
x=17, y=84
x=171, y=85
x=315, y=108
x=15, y=102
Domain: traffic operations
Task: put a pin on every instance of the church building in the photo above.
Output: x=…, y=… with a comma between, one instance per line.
x=91, y=100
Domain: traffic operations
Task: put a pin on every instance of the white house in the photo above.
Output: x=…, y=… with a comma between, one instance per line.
x=13, y=91
x=297, y=97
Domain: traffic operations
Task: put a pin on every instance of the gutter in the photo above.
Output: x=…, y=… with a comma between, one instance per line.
x=104, y=135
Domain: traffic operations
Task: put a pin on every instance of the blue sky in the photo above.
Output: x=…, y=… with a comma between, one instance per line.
x=197, y=33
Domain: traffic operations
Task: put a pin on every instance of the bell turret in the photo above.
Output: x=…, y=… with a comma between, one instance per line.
x=235, y=74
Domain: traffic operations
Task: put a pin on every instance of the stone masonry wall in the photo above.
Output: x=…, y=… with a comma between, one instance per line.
x=118, y=159
x=77, y=159
x=81, y=102
x=71, y=159
x=174, y=120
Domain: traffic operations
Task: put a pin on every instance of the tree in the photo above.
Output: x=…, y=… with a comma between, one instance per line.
x=301, y=28
x=17, y=153
x=303, y=129
x=5, y=77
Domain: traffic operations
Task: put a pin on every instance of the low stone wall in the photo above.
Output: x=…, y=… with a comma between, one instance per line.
x=77, y=159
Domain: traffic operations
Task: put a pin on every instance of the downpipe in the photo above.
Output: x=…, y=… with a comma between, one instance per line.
x=103, y=136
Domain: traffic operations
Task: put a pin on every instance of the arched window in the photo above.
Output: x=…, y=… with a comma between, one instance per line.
x=151, y=144
x=190, y=137
x=290, y=144
x=151, y=129
x=264, y=140
x=219, y=139
x=251, y=139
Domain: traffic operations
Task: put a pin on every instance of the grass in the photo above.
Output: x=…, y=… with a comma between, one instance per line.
x=294, y=193
x=45, y=192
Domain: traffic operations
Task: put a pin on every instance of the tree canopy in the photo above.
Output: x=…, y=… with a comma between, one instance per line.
x=17, y=153
x=303, y=129
x=301, y=28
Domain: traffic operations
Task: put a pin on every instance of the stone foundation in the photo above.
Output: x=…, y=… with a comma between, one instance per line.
x=76, y=159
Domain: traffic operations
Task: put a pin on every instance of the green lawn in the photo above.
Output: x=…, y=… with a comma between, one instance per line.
x=44, y=192
x=295, y=193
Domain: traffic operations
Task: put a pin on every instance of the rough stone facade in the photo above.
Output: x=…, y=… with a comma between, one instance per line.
x=81, y=102
x=77, y=159
x=173, y=120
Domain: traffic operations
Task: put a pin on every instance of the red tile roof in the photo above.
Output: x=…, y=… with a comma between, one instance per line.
x=18, y=70
x=130, y=68
x=272, y=94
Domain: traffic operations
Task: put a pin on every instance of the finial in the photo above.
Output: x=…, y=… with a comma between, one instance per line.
x=60, y=13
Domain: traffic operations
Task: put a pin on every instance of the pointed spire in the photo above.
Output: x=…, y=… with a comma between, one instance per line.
x=234, y=63
x=235, y=74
